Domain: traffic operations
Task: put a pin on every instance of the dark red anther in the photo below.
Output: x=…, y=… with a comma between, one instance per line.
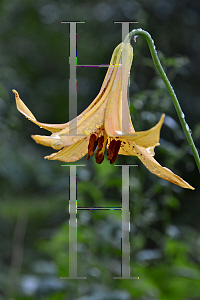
x=115, y=151
x=92, y=145
x=99, y=156
x=111, y=150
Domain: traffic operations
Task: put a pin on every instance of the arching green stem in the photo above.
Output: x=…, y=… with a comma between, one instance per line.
x=159, y=67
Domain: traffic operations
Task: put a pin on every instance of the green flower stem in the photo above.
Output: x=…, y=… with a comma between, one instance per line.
x=159, y=67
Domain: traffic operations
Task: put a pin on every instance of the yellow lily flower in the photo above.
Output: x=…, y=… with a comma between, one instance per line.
x=100, y=125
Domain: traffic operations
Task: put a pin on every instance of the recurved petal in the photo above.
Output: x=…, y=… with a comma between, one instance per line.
x=28, y=114
x=90, y=120
x=154, y=167
x=127, y=147
x=71, y=153
x=49, y=141
x=148, y=138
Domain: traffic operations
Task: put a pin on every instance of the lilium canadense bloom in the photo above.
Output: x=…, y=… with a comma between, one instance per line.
x=100, y=125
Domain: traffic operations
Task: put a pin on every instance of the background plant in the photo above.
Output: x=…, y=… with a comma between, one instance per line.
x=165, y=240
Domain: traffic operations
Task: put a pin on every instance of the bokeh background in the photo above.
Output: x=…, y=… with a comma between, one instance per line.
x=165, y=223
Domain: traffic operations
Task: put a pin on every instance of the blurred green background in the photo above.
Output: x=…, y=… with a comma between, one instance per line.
x=165, y=223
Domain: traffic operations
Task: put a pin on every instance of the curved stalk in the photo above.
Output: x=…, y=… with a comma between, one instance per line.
x=159, y=67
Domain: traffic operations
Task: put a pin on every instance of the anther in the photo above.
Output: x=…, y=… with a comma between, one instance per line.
x=115, y=151
x=111, y=150
x=99, y=156
x=92, y=145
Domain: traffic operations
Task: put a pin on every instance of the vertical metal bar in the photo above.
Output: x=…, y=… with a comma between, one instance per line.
x=125, y=251
x=125, y=222
x=72, y=224
x=72, y=77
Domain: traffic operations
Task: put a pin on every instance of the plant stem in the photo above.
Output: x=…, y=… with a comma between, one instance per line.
x=159, y=67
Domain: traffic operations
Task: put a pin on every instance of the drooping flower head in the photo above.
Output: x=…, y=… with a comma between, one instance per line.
x=106, y=122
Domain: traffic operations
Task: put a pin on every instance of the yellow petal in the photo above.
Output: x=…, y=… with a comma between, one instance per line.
x=154, y=167
x=92, y=119
x=127, y=148
x=71, y=153
x=114, y=107
x=28, y=114
x=149, y=137
x=48, y=141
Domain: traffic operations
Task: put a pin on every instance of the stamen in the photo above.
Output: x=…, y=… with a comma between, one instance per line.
x=115, y=151
x=92, y=145
x=111, y=150
x=99, y=156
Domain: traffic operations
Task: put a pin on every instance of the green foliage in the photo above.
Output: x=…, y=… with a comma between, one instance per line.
x=164, y=233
